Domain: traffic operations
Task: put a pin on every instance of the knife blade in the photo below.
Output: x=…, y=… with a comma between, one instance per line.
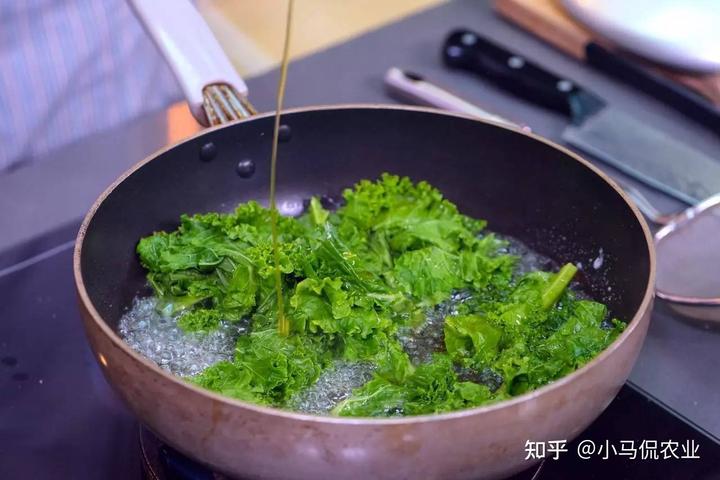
x=597, y=128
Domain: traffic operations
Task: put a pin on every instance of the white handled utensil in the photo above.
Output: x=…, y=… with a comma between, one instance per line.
x=214, y=91
x=414, y=88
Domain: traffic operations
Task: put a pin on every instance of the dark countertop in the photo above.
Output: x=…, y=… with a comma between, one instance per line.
x=44, y=202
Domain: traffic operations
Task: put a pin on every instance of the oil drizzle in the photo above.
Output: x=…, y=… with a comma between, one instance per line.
x=283, y=324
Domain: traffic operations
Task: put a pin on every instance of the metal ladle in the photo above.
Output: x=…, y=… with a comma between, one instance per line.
x=688, y=276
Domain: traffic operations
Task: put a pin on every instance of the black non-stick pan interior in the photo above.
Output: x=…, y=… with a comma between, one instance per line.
x=522, y=186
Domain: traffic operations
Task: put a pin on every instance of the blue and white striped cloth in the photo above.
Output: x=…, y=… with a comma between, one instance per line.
x=69, y=68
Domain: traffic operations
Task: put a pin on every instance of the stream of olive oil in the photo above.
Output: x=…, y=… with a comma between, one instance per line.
x=283, y=324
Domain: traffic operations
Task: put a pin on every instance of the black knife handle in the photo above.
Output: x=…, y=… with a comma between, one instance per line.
x=467, y=50
x=681, y=98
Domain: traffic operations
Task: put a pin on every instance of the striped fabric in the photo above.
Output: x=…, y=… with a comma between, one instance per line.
x=69, y=68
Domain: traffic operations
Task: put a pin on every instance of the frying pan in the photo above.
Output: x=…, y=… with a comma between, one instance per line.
x=522, y=184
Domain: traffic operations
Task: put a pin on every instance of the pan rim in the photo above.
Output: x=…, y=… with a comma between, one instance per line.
x=119, y=343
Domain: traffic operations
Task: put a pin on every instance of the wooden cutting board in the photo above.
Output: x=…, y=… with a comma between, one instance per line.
x=548, y=20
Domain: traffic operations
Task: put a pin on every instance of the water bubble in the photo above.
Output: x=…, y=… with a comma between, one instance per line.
x=334, y=385
x=529, y=259
x=598, y=262
x=178, y=352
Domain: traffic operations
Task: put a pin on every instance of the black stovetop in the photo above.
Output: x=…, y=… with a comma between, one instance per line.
x=60, y=419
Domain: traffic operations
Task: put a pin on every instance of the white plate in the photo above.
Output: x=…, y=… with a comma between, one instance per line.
x=683, y=34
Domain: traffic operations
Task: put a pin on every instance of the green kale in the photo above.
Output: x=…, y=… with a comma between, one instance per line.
x=268, y=368
x=200, y=320
x=354, y=277
x=433, y=387
x=471, y=337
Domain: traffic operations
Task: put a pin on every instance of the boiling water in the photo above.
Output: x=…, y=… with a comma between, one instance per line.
x=421, y=342
x=529, y=259
x=160, y=339
x=185, y=354
x=334, y=385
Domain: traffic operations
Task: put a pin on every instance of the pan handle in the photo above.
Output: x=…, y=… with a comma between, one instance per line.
x=214, y=91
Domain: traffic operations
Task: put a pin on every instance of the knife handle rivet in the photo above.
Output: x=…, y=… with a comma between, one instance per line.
x=564, y=85
x=468, y=39
x=515, y=62
x=454, y=51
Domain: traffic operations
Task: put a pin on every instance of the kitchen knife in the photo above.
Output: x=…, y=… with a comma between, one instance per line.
x=696, y=96
x=596, y=128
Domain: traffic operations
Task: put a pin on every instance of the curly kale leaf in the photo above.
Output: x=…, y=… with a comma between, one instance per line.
x=268, y=368
x=215, y=260
x=471, y=340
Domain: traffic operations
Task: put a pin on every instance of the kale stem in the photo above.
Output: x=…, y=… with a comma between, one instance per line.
x=557, y=285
